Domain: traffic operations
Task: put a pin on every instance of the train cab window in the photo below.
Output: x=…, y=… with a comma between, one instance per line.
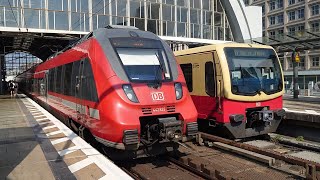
x=88, y=86
x=74, y=75
x=58, y=79
x=187, y=72
x=210, y=79
x=67, y=79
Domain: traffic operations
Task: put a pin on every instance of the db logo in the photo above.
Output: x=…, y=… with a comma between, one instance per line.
x=258, y=104
x=157, y=96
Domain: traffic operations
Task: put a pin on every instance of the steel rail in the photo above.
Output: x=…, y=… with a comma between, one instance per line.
x=311, y=167
x=191, y=169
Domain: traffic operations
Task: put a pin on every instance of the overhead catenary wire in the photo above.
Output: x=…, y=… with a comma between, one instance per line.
x=88, y=11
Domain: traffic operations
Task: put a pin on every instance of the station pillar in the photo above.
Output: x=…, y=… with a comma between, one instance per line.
x=2, y=74
x=295, y=60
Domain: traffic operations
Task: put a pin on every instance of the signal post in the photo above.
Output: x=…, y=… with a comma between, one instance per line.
x=295, y=60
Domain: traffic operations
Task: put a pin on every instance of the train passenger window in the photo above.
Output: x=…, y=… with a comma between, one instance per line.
x=58, y=79
x=187, y=72
x=67, y=79
x=88, y=86
x=51, y=79
x=75, y=73
x=210, y=79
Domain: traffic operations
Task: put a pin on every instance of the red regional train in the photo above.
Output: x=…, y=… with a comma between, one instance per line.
x=237, y=88
x=121, y=86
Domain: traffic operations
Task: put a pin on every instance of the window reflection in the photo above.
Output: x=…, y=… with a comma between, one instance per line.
x=31, y=18
x=62, y=22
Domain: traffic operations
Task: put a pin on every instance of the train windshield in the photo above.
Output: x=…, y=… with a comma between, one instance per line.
x=143, y=60
x=253, y=70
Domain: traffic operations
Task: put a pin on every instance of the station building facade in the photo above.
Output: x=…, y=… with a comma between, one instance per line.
x=182, y=18
x=293, y=17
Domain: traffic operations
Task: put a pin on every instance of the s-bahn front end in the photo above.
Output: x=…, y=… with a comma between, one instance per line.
x=237, y=88
x=254, y=89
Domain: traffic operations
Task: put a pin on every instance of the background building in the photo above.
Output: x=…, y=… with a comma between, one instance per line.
x=293, y=17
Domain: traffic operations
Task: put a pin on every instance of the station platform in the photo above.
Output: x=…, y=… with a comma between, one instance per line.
x=36, y=145
x=308, y=104
x=304, y=108
x=302, y=117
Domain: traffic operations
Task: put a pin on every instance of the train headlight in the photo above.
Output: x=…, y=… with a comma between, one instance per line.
x=178, y=89
x=130, y=93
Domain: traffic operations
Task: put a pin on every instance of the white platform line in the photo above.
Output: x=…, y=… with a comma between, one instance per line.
x=34, y=110
x=30, y=106
x=105, y=177
x=79, y=165
x=311, y=111
x=107, y=166
x=39, y=116
x=60, y=140
x=54, y=133
x=49, y=127
x=42, y=119
x=302, y=111
x=67, y=151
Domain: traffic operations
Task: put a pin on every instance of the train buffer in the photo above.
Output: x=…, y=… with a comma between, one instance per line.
x=35, y=145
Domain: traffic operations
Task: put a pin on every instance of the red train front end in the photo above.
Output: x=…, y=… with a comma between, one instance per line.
x=120, y=86
x=143, y=99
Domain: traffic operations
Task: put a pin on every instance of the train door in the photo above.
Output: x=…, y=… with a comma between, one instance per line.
x=80, y=107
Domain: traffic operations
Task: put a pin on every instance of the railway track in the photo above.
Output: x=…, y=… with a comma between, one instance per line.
x=192, y=161
x=277, y=155
x=161, y=167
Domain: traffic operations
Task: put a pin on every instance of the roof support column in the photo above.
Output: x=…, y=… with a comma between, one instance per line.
x=90, y=28
x=2, y=75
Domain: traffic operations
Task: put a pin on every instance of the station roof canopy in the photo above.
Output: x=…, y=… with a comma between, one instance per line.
x=308, y=39
x=41, y=45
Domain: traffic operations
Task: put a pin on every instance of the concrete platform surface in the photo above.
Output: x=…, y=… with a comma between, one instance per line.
x=261, y=144
x=304, y=104
x=36, y=145
x=307, y=155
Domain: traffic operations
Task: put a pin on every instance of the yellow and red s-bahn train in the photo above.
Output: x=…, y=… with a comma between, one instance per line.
x=236, y=88
x=120, y=86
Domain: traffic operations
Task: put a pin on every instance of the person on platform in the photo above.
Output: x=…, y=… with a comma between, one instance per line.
x=11, y=88
x=15, y=89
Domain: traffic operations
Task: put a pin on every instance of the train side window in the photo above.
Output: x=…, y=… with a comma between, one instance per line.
x=88, y=85
x=187, y=72
x=210, y=79
x=75, y=73
x=67, y=79
x=58, y=79
x=51, y=79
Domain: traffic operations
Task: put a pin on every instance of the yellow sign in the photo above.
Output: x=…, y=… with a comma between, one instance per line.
x=297, y=58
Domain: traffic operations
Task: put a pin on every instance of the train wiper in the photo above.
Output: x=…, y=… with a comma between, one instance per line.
x=259, y=91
